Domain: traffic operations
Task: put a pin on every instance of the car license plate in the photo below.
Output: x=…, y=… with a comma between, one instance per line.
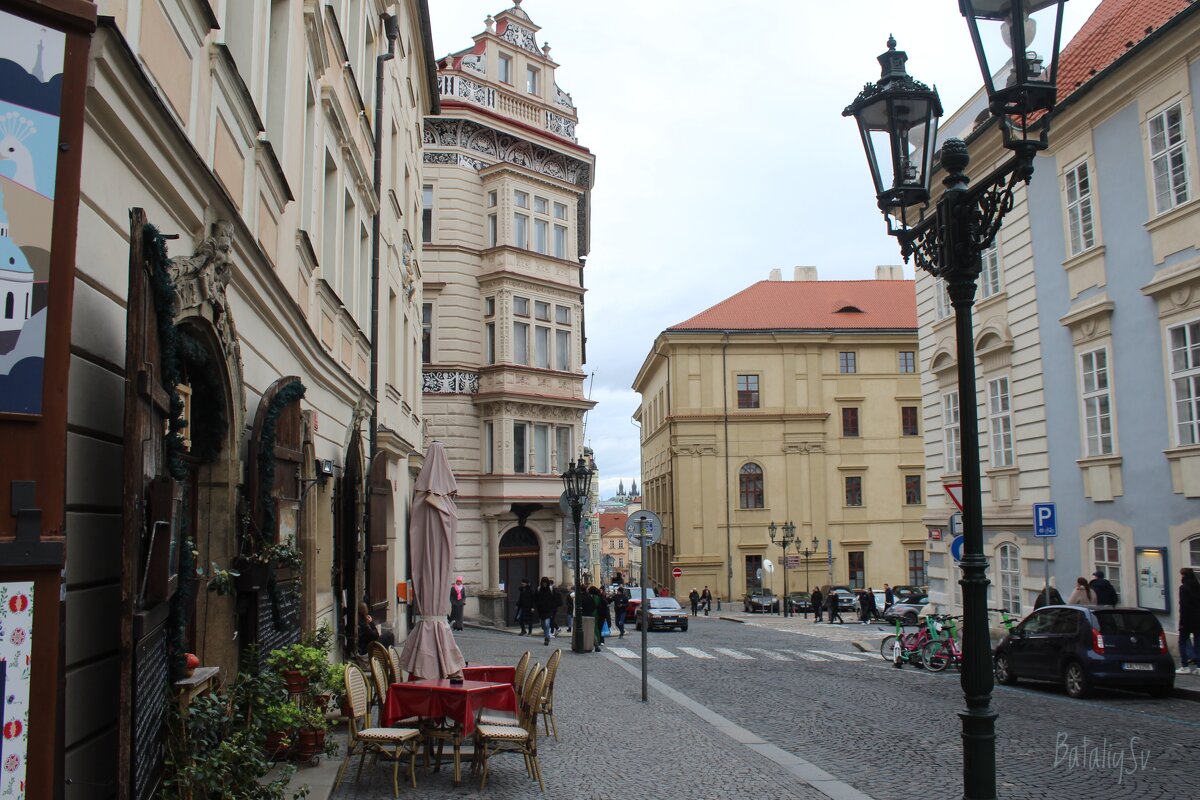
x=1137, y=666
x=670, y=619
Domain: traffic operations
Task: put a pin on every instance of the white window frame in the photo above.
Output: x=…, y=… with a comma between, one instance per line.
x=1168, y=158
x=1002, y=450
x=521, y=343
x=533, y=79
x=1081, y=220
x=504, y=68
x=489, y=448
x=1183, y=353
x=945, y=309
x=521, y=449
x=1095, y=398
x=541, y=449
x=951, y=433
x=541, y=346
x=1105, y=552
x=989, y=276
x=1008, y=561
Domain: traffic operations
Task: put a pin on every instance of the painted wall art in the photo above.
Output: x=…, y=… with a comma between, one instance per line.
x=16, y=647
x=31, y=66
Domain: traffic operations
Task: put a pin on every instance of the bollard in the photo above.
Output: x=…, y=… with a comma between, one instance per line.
x=718, y=602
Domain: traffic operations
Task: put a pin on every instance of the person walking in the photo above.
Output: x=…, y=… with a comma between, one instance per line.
x=1106, y=595
x=706, y=600
x=545, y=602
x=525, y=607
x=569, y=602
x=872, y=610
x=889, y=597
x=831, y=606
x=602, y=614
x=694, y=598
x=1189, y=621
x=1054, y=598
x=458, y=599
x=817, y=599
x=1083, y=594
x=620, y=606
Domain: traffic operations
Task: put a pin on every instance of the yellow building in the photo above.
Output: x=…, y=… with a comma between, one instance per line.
x=789, y=401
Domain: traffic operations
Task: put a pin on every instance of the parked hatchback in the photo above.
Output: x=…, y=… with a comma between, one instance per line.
x=665, y=613
x=1083, y=647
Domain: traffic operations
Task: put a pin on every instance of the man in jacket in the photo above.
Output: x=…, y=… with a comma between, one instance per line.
x=1189, y=621
x=525, y=607
x=1106, y=595
x=831, y=605
x=620, y=604
x=545, y=601
x=817, y=599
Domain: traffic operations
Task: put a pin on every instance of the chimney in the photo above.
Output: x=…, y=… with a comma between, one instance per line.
x=776, y=275
x=889, y=272
x=804, y=273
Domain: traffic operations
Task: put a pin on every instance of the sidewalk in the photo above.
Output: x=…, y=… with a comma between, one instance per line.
x=606, y=734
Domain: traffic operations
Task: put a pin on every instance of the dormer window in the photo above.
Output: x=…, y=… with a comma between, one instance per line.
x=849, y=310
x=532, y=80
x=506, y=70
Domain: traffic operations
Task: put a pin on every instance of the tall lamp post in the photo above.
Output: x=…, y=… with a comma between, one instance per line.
x=897, y=119
x=786, y=537
x=577, y=481
x=809, y=552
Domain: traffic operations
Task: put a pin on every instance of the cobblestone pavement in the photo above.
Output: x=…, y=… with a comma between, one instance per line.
x=730, y=704
x=605, y=732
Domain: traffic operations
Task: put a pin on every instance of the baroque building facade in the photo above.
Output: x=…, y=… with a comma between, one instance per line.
x=1086, y=323
x=266, y=143
x=506, y=202
x=789, y=401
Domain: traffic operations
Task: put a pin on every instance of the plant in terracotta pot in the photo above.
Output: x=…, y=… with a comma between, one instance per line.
x=300, y=664
x=281, y=720
x=312, y=727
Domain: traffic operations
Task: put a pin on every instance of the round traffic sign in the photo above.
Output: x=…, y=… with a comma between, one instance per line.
x=643, y=523
x=956, y=548
x=677, y=572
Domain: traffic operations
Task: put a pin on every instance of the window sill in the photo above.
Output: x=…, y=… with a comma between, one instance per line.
x=998, y=471
x=991, y=300
x=1099, y=461
x=1083, y=256
x=1167, y=217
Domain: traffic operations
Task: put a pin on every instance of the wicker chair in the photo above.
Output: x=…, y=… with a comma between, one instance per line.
x=519, y=675
x=546, y=703
x=523, y=690
x=363, y=739
x=394, y=660
x=520, y=738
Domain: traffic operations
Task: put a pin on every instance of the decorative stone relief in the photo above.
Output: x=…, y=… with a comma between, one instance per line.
x=803, y=447
x=504, y=147
x=560, y=125
x=450, y=383
x=563, y=99
x=202, y=277
x=454, y=159
x=466, y=89
x=522, y=37
x=474, y=63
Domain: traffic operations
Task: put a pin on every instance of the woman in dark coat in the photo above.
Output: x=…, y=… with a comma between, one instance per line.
x=831, y=605
x=546, y=601
x=817, y=603
x=602, y=613
x=458, y=599
x=525, y=607
x=695, y=598
x=1189, y=620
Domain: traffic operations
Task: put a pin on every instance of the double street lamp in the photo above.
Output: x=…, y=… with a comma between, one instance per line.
x=787, y=535
x=577, y=481
x=809, y=552
x=897, y=119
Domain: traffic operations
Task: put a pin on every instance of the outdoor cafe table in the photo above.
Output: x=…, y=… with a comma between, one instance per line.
x=492, y=673
x=437, y=700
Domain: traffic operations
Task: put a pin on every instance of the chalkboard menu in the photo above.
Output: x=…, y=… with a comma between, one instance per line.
x=271, y=636
x=149, y=710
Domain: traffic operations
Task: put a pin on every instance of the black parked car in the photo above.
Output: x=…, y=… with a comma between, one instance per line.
x=665, y=614
x=799, y=603
x=1082, y=647
x=760, y=600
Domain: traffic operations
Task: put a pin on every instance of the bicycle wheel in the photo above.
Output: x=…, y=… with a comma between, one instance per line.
x=937, y=656
x=887, y=646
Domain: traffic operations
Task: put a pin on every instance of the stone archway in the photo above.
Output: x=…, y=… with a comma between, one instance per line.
x=520, y=555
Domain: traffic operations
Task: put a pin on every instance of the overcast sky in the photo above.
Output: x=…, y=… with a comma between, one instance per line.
x=721, y=153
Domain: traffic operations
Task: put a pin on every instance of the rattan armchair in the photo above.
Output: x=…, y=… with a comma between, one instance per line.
x=520, y=738
x=546, y=702
x=362, y=738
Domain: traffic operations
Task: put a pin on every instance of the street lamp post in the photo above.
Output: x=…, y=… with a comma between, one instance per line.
x=808, y=552
x=785, y=540
x=897, y=119
x=577, y=481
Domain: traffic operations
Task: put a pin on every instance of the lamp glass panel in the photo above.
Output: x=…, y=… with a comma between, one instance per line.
x=896, y=134
x=999, y=38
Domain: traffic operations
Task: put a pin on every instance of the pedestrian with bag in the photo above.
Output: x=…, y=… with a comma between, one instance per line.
x=706, y=600
x=602, y=614
x=620, y=606
x=1106, y=595
x=817, y=599
x=525, y=607
x=545, y=601
x=1189, y=621
x=694, y=597
x=1083, y=594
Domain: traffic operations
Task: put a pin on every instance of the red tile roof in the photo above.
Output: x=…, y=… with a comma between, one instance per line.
x=612, y=520
x=812, y=305
x=1115, y=27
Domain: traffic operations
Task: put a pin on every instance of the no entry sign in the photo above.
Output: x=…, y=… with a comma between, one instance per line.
x=677, y=572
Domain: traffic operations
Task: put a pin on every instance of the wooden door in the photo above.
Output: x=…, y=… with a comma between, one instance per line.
x=377, y=539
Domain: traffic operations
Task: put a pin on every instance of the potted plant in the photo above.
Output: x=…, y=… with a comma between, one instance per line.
x=280, y=721
x=312, y=731
x=300, y=664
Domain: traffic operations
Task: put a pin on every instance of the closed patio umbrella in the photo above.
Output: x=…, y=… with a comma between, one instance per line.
x=430, y=650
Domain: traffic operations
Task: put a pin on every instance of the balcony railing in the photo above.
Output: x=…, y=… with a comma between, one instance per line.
x=460, y=87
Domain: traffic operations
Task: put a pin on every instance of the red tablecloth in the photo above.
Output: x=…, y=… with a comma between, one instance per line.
x=440, y=698
x=492, y=673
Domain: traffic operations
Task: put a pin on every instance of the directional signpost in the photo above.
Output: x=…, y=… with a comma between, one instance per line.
x=1045, y=527
x=643, y=529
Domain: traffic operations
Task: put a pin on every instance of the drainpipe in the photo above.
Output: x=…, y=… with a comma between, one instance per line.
x=392, y=29
x=728, y=509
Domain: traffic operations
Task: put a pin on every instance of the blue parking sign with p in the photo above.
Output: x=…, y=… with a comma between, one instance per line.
x=1045, y=519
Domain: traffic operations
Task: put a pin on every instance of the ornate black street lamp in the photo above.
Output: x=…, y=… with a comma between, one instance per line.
x=809, y=552
x=577, y=481
x=899, y=116
x=785, y=540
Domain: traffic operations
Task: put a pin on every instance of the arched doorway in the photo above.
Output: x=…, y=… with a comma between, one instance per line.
x=519, y=551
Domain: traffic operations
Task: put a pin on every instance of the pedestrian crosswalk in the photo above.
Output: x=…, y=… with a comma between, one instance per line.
x=749, y=654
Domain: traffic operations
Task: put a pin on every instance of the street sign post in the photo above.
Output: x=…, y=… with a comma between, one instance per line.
x=677, y=572
x=955, y=492
x=1045, y=527
x=643, y=529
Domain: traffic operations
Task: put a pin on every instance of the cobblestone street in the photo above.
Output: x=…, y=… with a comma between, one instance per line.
x=777, y=709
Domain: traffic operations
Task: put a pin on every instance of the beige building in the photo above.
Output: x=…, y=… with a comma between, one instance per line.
x=506, y=202
x=790, y=401
x=247, y=132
